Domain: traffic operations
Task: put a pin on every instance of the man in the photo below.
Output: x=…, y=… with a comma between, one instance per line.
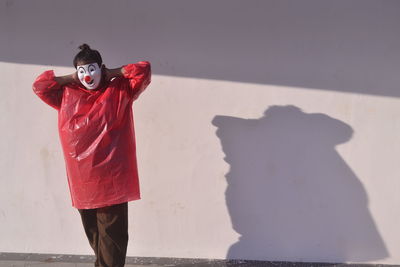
x=96, y=129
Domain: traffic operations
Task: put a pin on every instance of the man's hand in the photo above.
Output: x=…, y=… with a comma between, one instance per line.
x=75, y=77
x=67, y=79
x=108, y=74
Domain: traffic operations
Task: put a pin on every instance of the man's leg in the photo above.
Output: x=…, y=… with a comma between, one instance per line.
x=89, y=220
x=112, y=223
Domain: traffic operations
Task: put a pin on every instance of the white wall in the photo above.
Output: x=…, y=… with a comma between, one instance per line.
x=270, y=131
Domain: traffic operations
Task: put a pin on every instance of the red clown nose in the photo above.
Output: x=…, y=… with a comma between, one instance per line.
x=87, y=79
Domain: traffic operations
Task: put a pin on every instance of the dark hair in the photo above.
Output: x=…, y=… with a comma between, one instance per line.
x=87, y=55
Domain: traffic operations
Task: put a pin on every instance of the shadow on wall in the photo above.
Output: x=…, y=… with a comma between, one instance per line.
x=350, y=46
x=290, y=195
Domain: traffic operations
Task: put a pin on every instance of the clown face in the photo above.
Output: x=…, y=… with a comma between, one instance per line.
x=89, y=75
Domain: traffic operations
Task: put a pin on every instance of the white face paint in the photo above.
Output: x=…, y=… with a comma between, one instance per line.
x=89, y=75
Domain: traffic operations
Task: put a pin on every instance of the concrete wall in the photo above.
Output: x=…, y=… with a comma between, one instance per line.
x=270, y=130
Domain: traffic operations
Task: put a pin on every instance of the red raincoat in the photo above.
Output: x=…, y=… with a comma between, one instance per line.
x=97, y=135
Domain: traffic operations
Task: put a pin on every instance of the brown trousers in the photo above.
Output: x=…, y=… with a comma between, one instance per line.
x=107, y=231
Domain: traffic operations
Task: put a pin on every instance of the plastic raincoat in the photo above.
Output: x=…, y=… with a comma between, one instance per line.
x=97, y=135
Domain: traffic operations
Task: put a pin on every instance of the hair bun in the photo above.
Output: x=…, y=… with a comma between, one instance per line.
x=84, y=47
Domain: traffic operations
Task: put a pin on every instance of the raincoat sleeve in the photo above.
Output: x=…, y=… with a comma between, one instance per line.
x=48, y=89
x=139, y=76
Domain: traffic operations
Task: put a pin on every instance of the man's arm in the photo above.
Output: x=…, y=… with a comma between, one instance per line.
x=48, y=89
x=139, y=76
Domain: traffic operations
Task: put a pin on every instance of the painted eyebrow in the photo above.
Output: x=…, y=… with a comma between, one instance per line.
x=91, y=65
x=82, y=69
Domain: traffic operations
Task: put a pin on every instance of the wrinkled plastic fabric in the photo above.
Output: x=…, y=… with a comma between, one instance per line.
x=97, y=135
